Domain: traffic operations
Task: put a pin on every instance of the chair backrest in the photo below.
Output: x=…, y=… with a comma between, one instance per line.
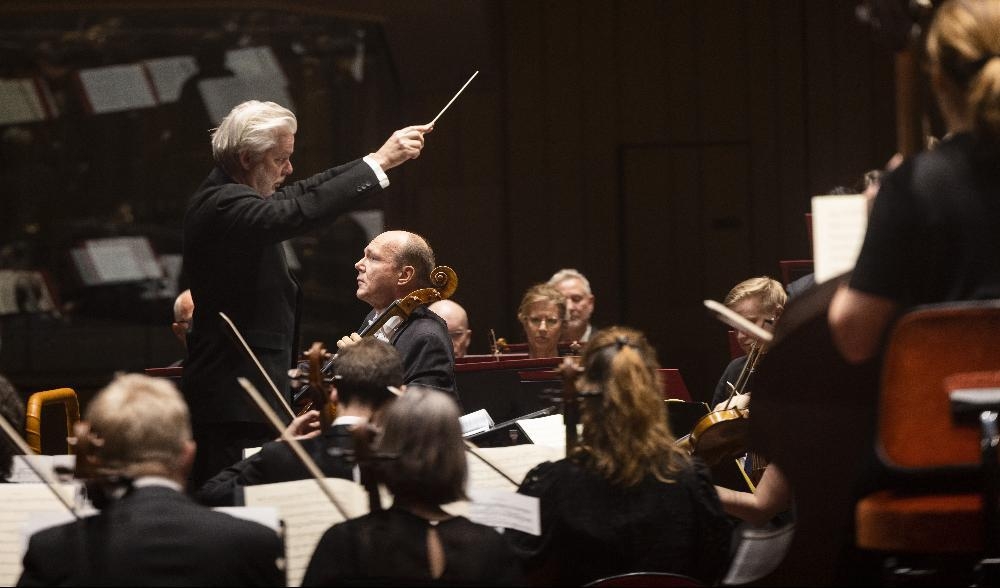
x=33, y=415
x=926, y=347
x=647, y=579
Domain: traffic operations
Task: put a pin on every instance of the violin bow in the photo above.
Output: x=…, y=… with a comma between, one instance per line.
x=246, y=348
x=42, y=473
x=472, y=449
x=296, y=447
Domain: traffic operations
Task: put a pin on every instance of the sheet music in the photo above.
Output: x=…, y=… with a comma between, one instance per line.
x=548, y=430
x=21, y=472
x=116, y=88
x=475, y=422
x=220, y=95
x=123, y=259
x=20, y=102
x=516, y=461
x=307, y=514
x=169, y=74
x=30, y=499
x=839, y=225
x=507, y=509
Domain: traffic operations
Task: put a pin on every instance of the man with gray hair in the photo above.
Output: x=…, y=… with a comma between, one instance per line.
x=135, y=446
x=579, y=304
x=235, y=263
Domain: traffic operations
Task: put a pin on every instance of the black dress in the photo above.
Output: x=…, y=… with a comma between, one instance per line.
x=389, y=548
x=592, y=529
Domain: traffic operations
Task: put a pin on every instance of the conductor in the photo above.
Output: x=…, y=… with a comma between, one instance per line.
x=233, y=231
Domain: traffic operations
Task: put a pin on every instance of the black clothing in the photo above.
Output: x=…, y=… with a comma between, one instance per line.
x=390, y=548
x=592, y=529
x=276, y=462
x=425, y=347
x=934, y=231
x=154, y=536
x=235, y=263
x=730, y=375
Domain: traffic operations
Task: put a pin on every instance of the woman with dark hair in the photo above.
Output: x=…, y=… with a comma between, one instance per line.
x=626, y=499
x=416, y=542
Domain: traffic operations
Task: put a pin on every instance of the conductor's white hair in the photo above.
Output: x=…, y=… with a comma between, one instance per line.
x=253, y=127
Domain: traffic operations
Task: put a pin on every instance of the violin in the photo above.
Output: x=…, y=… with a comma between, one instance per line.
x=723, y=434
x=315, y=367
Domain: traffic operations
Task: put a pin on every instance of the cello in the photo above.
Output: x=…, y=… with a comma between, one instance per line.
x=445, y=282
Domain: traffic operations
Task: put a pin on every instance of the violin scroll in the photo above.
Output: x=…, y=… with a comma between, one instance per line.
x=445, y=280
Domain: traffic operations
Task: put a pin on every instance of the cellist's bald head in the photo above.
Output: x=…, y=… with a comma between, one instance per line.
x=395, y=263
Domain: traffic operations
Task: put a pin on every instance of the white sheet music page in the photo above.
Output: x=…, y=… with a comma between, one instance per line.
x=839, y=223
x=25, y=502
x=307, y=514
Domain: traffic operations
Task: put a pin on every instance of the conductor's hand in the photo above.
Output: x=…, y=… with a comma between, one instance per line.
x=348, y=340
x=404, y=144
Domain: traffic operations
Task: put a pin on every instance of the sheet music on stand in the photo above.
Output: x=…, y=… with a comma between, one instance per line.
x=839, y=224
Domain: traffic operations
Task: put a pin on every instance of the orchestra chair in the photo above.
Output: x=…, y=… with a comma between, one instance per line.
x=935, y=519
x=637, y=579
x=34, y=410
x=793, y=269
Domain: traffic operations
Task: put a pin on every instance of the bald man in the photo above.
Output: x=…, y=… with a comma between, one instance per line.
x=183, y=311
x=458, y=324
x=395, y=264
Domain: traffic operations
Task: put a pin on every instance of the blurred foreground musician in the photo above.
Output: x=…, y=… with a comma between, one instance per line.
x=627, y=499
x=932, y=235
x=415, y=542
x=136, y=441
x=362, y=375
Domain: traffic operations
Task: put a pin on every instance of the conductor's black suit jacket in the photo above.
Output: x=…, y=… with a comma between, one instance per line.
x=235, y=263
x=154, y=536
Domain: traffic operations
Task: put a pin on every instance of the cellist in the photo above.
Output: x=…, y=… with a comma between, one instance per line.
x=362, y=375
x=395, y=264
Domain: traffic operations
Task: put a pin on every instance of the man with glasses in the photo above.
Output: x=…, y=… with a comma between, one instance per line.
x=458, y=324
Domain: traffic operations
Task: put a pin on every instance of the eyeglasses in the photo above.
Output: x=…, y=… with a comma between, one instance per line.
x=537, y=321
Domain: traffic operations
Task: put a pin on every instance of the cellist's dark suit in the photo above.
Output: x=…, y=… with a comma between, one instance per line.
x=235, y=263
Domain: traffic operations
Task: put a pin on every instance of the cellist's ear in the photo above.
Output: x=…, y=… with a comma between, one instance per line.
x=405, y=275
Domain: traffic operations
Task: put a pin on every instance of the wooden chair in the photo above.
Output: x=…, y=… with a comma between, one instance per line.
x=33, y=415
x=646, y=579
x=932, y=352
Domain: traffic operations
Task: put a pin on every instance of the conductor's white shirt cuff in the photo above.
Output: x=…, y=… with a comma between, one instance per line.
x=383, y=179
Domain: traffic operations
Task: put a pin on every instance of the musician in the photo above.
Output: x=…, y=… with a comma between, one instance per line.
x=458, y=324
x=760, y=300
x=415, y=542
x=932, y=233
x=362, y=375
x=579, y=303
x=542, y=314
x=138, y=433
x=183, y=311
x=395, y=264
x=627, y=498
x=233, y=232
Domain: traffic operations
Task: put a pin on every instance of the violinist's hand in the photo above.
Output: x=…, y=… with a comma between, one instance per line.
x=739, y=401
x=404, y=144
x=304, y=426
x=348, y=340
